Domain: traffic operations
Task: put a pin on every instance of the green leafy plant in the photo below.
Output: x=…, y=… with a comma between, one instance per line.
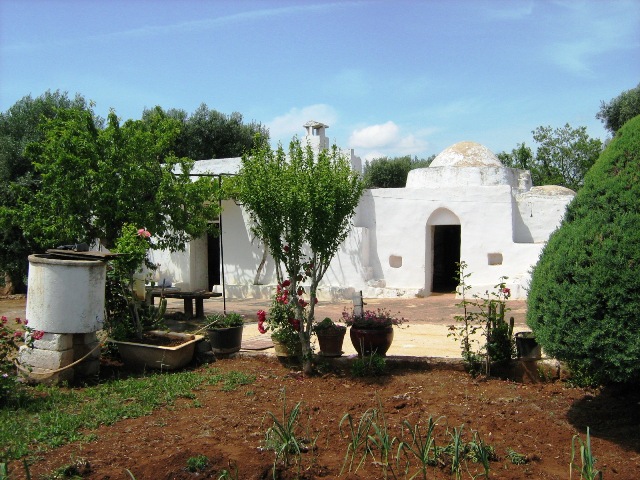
x=301, y=203
x=230, y=474
x=380, y=439
x=583, y=302
x=479, y=451
x=221, y=320
x=282, y=436
x=197, y=463
x=127, y=315
x=457, y=451
x=373, y=365
x=357, y=436
x=328, y=325
x=281, y=321
x=483, y=315
x=422, y=446
x=12, y=335
x=587, y=467
x=372, y=319
x=517, y=458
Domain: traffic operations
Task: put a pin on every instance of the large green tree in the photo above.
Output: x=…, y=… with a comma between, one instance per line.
x=563, y=156
x=19, y=126
x=207, y=133
x=585, y=290
x=620, y=110
x=385, y=172
x=301, y=204
x=93, y=181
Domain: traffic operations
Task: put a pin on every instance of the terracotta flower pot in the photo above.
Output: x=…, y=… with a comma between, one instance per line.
x=286, y=355
x=368, y=341
x=330, y=342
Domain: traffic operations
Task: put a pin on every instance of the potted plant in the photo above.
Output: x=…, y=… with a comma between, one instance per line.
x=225, y=332
x=281, y=321
x=330, y=337
x=134, y=326
x=372, y=331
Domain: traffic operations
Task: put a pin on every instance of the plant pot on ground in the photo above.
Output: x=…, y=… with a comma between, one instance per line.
x=527, y=346
x=225, y=332
x=330, y=337
x=158, y=350
x=372, y=331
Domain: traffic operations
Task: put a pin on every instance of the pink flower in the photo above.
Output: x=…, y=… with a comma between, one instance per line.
x=4, y=319
x=17, y=334
x=506, y=292
x=143, y=232
x=26, y=321
x=18, y=321
x=37, y=334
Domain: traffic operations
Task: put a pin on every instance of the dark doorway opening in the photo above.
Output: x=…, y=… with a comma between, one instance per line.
x=213, y=260
x=446, y=256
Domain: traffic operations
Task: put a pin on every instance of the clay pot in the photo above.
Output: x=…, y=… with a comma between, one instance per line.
x=368, y=341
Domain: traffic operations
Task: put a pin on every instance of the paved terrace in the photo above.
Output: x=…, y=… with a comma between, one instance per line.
x=425, y=333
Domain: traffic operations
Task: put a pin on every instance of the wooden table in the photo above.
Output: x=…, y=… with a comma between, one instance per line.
x=189, y=298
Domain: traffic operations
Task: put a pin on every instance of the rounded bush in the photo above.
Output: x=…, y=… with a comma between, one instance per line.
x=584, y=299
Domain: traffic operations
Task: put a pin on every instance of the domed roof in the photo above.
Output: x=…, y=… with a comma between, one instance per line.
x=466, y=154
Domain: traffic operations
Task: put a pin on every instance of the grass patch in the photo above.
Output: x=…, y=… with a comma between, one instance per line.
x=45, y=417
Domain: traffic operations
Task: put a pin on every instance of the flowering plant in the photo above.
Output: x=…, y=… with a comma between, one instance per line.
x=281, y=320
x=126, y=315
x=380, y=318
x=12, y=335
x=328, y=326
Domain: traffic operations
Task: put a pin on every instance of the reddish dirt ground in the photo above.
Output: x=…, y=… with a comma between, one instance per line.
x=538, y=420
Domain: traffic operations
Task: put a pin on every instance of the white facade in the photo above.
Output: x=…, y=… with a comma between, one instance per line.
x=466, y=207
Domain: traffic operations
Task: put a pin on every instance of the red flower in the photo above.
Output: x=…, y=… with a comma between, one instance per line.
x=37, y=334
x=302, y=303
x=300, y=290
x=262, y=316
x=4, y=319
x=286, y=283
x=315, y=300
x=286, y=248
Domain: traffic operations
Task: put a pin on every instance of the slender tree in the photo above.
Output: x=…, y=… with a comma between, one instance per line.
x=302, y=205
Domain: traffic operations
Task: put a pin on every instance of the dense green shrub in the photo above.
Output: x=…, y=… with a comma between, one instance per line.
x=584, y=301
x=387, y=172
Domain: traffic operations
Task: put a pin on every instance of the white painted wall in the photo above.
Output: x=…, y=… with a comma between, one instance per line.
x=389, y=251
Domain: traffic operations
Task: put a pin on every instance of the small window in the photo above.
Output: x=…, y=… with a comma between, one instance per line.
x=494, y=258
x=395, y=261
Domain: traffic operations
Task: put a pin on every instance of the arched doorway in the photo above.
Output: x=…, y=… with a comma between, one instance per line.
x=443, y=251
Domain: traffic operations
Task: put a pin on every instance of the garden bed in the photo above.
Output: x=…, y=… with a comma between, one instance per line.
x=228, y=427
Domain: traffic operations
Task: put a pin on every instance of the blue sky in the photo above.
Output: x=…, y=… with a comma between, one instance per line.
x=388, y=77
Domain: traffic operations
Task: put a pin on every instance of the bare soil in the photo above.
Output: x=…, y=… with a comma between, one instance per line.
x=537, y=420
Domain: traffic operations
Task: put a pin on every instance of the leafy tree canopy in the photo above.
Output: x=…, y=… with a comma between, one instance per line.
x=93, y=181
x=301, y=204
x=208, y=133
x=585, y=290
x=620, y=110
x=19, y=126
x=563, y=156
x=385, y=172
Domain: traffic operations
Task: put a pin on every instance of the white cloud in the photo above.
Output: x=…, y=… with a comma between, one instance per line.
x=284, y=127
x=389, y=140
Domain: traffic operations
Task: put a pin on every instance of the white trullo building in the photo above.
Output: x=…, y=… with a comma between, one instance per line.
x=466, y=206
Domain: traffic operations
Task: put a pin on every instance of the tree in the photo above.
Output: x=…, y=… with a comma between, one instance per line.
x=563, y=156
x=619, y=110
x=585, y=290
x=210, y=134
x=520, y=157
x=385, y=172
x=19, y=126
x=301, y=205
x=94, y=181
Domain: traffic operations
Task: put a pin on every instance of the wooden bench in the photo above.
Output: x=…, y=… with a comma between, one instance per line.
x=189, y=298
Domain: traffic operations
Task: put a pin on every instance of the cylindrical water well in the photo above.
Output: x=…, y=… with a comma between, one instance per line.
x=65, y=295
x=65, y=300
